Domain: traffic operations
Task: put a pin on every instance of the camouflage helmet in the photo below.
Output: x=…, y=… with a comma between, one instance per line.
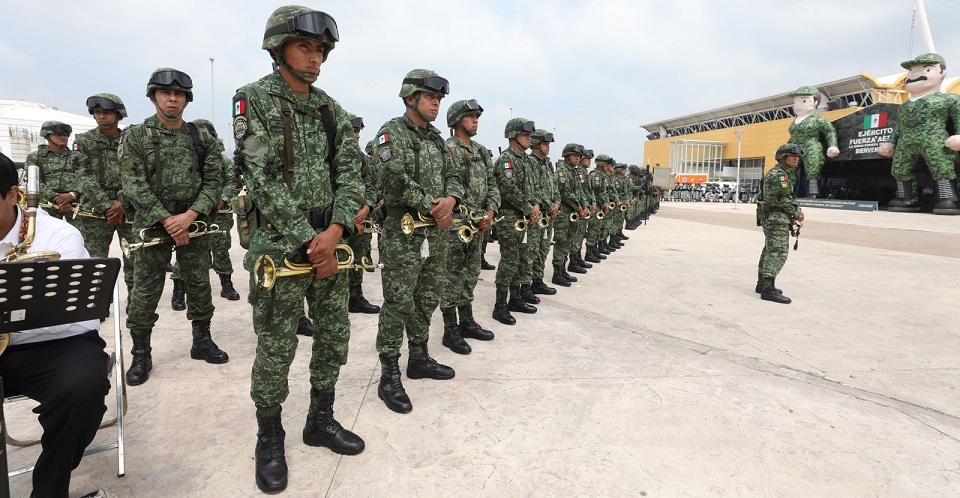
x=605, y=159
x=620, y=167
x=517, y=126
x=573, y=149
x=294, y=21
x=423, y=80
x=106, y=102
x=588, y=154
x=540, y=135
x=166, y=77
x=460, y=109
x=788, y=149
x=355, y=121
x=208, y=125
x=369, y=148
x=55, y=128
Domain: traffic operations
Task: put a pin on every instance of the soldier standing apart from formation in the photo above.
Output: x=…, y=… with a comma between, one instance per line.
x=518, y=202
x=420, y=181
x=99, y=170
x=59, y=183
x=565, y=230
x=301, y=164
x=362, y=241
x=539, y=158
x=219, y=243
x=170, y=171
x=777, y=211
x=482, y=197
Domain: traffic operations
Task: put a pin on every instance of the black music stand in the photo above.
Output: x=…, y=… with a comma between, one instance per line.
x=44, y=293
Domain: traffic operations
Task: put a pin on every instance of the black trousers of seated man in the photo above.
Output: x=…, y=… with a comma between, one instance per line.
x=68, y=377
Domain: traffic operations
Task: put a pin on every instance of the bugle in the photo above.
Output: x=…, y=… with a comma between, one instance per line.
x=197, y=229
x=471, y=226
x=79, y=211
x=574, y=217
x=600, y=215
x=611, y=205
x=266, y=272
x=370, y=226
x=408, y=224
x=623, y=207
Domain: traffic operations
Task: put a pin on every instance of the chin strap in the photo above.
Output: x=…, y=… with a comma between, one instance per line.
x=416, y=108
x=301, y=76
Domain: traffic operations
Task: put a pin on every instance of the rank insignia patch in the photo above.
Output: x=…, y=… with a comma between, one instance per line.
x=385, y=153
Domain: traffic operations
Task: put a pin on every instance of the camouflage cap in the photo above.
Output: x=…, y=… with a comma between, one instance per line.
x=423, y=80
x=517, y=126
x=295, y=21
x=804, y=91
x=208, y=125
x=788, y=149
x=923, y=60
x=106, y=102
x=604, y=159
x=55, y=128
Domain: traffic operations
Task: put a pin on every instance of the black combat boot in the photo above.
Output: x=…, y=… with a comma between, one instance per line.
x=575, y=267
x=902, y=204
x=602, y=250
x=592, y=256
x=203, y=346
x=305, y=326
x=580, y=261
x=421, y=366
x=486, y=266
x=469, y=327
x=570, y=278
x=621, y=236
x=501, y=312
x=527, y=295
x=759, y=287
x=177, y=301
x=451, y=332
x=322, y=429
x=359, y=304
x=769, y=292
x=516, y=302
x=538, y=287
x=270, y=462
x=391, y=389
x=142, y=363
x=613, y=242
x=946, y=199
x=226, y=288
x=558, y=277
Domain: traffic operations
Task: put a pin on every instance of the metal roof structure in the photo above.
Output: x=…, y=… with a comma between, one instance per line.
x=20, y=122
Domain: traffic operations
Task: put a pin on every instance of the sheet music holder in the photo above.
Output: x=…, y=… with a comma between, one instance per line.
x=45, y=293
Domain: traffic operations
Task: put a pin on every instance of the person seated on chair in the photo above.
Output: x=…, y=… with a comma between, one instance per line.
x=63, y=367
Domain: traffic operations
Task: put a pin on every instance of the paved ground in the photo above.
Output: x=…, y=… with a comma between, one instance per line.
x=660, y=373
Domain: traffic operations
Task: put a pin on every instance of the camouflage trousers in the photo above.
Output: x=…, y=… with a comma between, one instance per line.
x=776, y=234
x=596, y=230
x=615, y=222
x=275, y=316
x=578, y=233
x=910, y=156
x=361, y=245
x=97, y=237
x=219, y=245
x=538, y=245
x=512, y=253
x=148, y=279
x=413, y=276
x=564, y=233
x=463, y=270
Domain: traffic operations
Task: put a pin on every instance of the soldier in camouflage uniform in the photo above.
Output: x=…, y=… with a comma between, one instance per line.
x=419, y=180
x=59, y=183
x=170, y=170
x=98, y=167
x=538, y=241
x=598, y=184
x=777, y=210
x=922, y=135
x=518, y=201
x=588, y=200
x=360, y=241
x=566, y=232
x=301, y=164
x=624, y=198
x=220, y=243
x=482, y=197
x=807, y=130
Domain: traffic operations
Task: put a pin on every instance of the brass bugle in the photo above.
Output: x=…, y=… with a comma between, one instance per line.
x=611, y=204
x=197, y=229
x=623, y=207
x=408, y=224
x=266, y=272
x=574, y=217
x=520, y=225
x=543, y=222
x=370, y=226
x=466, y=232
x=600, y=215
x=78, y=211
x=50, y=205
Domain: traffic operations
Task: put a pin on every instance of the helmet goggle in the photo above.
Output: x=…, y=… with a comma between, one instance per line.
x=470, y=106
x=311, y=24
x=526, y=127
x=103, y=103
x=588, y=153
x=169, y=77
x=791, y=151
x=436, y=84
x=546, y=138
x=357, y=123
x=59, y=129
x=576, y=149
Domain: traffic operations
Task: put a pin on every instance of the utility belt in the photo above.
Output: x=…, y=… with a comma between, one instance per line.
x=319, y=219
x=177, y=207
x=112, y=193
x=398, y=212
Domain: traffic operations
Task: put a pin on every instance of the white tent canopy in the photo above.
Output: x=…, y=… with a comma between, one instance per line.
x=20, y=123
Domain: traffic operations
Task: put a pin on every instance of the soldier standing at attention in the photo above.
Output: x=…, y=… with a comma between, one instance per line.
x=589, y=201
x=99, y=170
x=598, y=185
x=419, y=180
x=301, y=163
x=59, y=184
x=481, y=196
x=540, y=142
x=566, y=231
x=518, y=201
x=777, y=210
x=170, y=170
x=361, y=242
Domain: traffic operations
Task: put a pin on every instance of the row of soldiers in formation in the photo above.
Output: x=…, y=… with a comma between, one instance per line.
x=711, y=192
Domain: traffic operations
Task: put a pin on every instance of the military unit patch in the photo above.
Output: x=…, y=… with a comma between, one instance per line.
x=385, y=153
x=120, y=146
x=784, y=184
x=239, y=127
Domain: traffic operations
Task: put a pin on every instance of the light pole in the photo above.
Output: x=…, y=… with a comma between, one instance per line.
x=213, y=114
x=511, y=113
x=736, y=203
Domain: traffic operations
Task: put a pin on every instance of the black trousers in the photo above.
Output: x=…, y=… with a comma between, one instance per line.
x=68, y=377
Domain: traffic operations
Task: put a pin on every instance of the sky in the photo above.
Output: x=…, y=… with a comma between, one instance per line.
x=590, y=71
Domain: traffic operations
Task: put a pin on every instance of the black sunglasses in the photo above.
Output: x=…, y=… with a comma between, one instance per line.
x=312, y=24
x=433, y=83
x=169, y=77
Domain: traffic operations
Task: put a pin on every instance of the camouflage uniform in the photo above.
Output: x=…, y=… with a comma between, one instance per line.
x=538, y=240
x=362, y=243
x=777, y=212
x=919, y=139
x=57, y=175
x=567, y=179
x=98, y=167
x=598, y=184
x=587, y=200
x=515, y=177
